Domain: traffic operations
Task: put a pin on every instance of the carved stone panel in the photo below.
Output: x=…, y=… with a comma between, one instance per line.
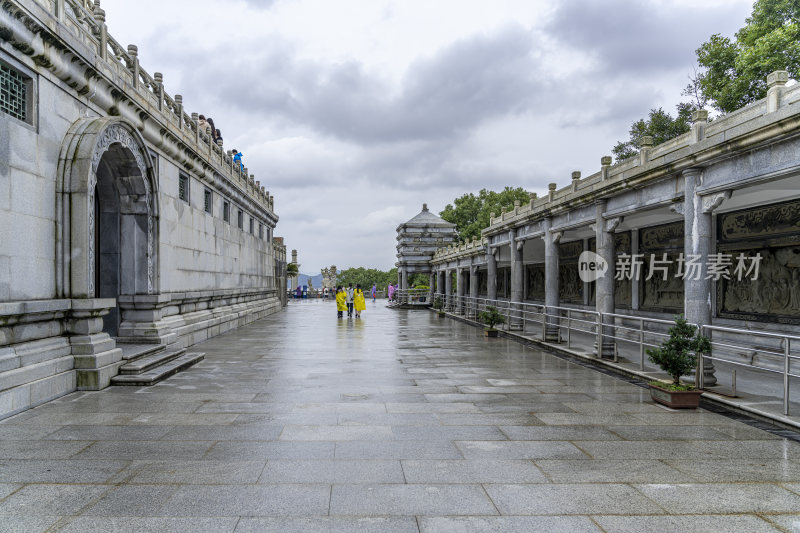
x=535, y=282
x=483, y=283
x=570, y=286
x=503, y=278
x=658, y=293
x=774, y=233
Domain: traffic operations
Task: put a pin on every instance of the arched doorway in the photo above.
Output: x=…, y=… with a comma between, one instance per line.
x=106, y=214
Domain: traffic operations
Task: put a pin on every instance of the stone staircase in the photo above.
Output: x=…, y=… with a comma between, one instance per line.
x=147, y=364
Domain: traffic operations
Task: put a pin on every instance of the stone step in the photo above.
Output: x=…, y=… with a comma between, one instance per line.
x=143, y=364
x=135, y=351
x=159, y=373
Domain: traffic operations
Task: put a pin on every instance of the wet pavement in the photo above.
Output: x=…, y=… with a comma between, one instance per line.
x=400, y=421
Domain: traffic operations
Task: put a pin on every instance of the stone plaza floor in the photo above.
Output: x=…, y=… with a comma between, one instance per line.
x=400, y=421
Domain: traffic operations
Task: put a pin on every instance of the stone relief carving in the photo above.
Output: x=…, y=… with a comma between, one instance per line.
x=713, y=201
x=657, y=293
x=570, y=286
x=535, y=282
x=773, y=232
x=774, y=295
x=769, y=221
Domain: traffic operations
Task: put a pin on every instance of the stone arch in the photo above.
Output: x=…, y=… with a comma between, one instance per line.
x=112, y=150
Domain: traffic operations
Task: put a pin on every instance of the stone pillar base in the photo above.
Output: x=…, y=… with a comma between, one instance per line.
x=96, y=356
x=551, y=334
x=515, y=325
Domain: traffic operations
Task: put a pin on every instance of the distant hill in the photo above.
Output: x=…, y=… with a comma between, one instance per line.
x=302, y=279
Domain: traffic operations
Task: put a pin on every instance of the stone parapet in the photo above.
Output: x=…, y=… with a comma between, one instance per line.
x=95, y=64
x=763, y=122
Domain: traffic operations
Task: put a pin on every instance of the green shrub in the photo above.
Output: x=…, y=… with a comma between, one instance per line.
x=676, y=355
x=491, y=317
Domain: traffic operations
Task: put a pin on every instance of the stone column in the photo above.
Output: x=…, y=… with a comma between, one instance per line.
x=440, y=281
x=491, y=282
x=698, y=244
x=604, y=289
x=635, y=282
x=586, y=285
x=431, y=287
x=473, y=291
x=448, y=288
x=460, y=290
x=551, y=296
x=516, y=282
x=404, y=279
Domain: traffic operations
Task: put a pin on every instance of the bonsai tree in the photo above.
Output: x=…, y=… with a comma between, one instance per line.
x=438, y=304
x=677, y=355
x=491, y=317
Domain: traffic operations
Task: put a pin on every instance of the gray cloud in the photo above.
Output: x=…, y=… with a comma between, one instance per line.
x=446, y=94
x=638, y=36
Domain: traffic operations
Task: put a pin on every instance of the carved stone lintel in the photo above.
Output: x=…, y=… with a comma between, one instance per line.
x=713, y=201
x=612, y=224
x=678, y=208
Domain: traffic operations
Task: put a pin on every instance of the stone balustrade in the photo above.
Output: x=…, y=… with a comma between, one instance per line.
x=104, y=68
x=705, y=143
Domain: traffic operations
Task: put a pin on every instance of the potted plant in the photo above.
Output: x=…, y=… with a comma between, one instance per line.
x=438, y=304
x=491, y=317
x=677, y=357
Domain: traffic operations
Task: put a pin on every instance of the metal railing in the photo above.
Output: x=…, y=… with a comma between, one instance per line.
x=615, y=330
x=780, y=349
x=411, y=296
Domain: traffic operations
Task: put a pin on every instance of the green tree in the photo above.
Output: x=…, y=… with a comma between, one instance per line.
x=735, y=70
x=659, y=125
x=471, y=213
x=366, y=277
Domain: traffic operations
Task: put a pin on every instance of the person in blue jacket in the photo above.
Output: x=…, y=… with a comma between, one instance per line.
x=237, y=158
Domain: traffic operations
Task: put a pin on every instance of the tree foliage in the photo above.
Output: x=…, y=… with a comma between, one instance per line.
x=471, y=213
x=676, y=355
x=366, y=277
x=291, y=270
x=659, y=125
x=735, y=70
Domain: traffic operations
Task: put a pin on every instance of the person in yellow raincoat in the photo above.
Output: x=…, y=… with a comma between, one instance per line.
x=358, y=301
x=341, y=306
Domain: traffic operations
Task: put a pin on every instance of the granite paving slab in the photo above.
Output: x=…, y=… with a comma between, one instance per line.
x=404, y=422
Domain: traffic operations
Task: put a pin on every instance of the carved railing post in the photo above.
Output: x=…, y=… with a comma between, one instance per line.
x=179, y=110
x=576, y=178
x=133, y=51
x=605, y=164
x=159, y=79
x=100, y=17
x=196, y=120
x=60, y=10
x=645, y=145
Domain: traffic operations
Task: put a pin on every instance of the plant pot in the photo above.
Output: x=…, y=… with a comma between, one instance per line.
x=490, y=332
x=440, y=313
x=689, y=399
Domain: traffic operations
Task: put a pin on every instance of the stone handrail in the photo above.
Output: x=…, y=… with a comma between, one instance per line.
x=86, y=21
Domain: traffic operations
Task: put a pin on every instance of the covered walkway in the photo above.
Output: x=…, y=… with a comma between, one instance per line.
x=401, y=421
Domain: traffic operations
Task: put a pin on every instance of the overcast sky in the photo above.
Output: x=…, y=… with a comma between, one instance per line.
x=353, y=113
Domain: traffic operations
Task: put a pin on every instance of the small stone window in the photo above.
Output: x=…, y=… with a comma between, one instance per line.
x=16, y=93
x=207, y=205
x=226, y=211
x=183, y=188
x=240, y=220
x=252, y=225
x=260, y=230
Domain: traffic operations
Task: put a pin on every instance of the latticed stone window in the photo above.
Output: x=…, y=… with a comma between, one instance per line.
x=15, y=93
x=183, y=188
x=207, y=201
x=226, y=211
x=240, y=220
x=252, y=225
x=260, y=230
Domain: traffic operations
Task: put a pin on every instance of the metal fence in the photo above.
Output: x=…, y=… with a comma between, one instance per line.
x=764, y=352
